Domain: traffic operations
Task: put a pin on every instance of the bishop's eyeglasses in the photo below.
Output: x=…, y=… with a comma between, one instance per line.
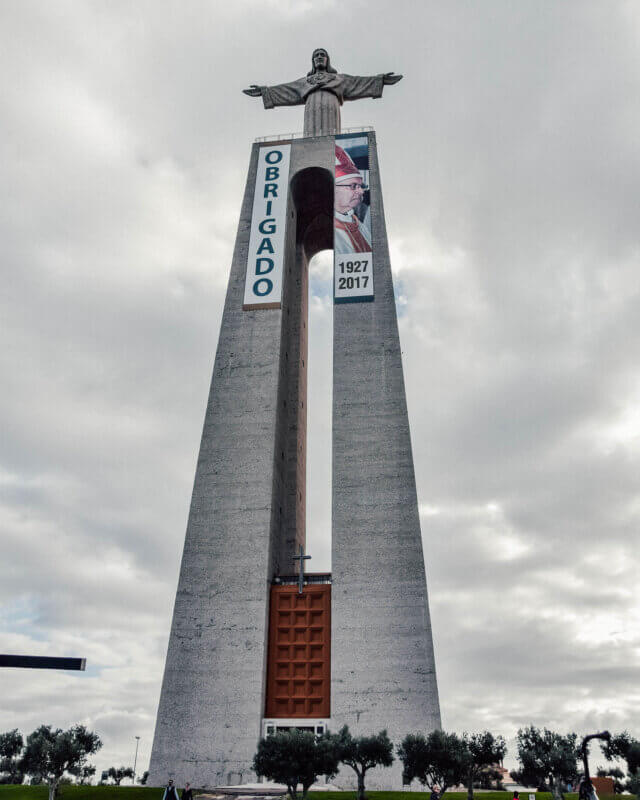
x=354, y=186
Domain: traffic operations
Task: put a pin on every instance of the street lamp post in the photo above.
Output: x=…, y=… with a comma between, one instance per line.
x=135, y=760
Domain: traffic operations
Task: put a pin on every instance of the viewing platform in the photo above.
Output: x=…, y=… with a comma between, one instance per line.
x=285, y=137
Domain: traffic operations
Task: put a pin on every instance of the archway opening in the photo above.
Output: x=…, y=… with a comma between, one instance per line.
x=313, y=191
x=319, y=405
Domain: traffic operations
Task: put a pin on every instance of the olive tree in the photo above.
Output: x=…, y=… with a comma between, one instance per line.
x=362, y=753
x=482, y=751
x=547, y=758
x=11, y=744
x=118, y=773
x=633, y=784
x=86, y=775
x=437, y=760
x=296, y=757
x=52, y=752
x=624, y=747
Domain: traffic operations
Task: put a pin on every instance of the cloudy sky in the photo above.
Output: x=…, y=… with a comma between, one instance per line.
x=510, y=160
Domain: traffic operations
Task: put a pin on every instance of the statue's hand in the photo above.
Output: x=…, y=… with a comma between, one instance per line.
x=390, y=77
x=253, y=91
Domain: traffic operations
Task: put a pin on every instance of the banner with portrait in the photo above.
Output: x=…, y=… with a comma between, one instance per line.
x=352, y=240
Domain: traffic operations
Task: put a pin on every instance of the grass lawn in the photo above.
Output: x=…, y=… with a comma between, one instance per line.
x=447, y=796
x=67, y=792
x=425, y=796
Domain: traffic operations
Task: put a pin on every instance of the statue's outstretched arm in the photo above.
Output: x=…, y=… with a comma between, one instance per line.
x=355, y=86
x=283, y=94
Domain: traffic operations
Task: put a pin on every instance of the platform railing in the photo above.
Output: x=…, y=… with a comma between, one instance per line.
x=279, y=137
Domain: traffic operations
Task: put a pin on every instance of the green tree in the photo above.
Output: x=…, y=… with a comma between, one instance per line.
x=145, y=777
x=86, y=774
x=633, y=757
x=520, y=776
x=118, y=773
x=633, y=784
x=438, y=760
x=490, y=778
x=52, y=752
x=296, y=757
x=623, y=746
x=547, y=757
x=11, y=744
x=362, y=753
x=483, y=750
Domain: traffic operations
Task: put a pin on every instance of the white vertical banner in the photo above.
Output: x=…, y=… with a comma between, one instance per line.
x=263, y=283
x=352, y=239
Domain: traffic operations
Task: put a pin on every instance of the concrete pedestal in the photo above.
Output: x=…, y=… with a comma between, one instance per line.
x=248, y=507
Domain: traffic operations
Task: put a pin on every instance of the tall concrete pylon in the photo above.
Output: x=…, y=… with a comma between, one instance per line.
x=247, y=516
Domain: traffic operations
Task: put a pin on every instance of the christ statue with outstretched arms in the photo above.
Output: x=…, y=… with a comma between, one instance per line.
x=322, y=91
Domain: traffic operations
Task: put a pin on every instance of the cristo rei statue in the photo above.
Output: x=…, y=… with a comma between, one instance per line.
x=322, y=91
x=249, y=652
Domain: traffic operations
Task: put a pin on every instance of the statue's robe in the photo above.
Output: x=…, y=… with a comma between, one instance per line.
x=322, y=95
x=344, y=87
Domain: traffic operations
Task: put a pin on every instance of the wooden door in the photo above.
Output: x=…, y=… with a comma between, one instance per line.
x=299, y=662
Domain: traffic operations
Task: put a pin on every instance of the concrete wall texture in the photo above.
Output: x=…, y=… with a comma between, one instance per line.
x=247, y=511
x=383, y=670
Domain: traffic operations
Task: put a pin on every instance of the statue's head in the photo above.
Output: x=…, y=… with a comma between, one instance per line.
x=320, y=61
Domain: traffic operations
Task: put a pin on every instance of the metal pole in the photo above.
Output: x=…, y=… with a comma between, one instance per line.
x=135, y=760
x=42, y=662
x=586, y=790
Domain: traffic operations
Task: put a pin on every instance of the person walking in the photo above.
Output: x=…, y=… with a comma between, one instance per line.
x=187, y=793
x=170, y=792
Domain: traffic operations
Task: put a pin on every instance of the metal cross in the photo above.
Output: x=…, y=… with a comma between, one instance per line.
x=301, y=558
